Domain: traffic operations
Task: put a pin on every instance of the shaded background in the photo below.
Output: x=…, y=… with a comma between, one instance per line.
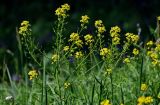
x=125, y=13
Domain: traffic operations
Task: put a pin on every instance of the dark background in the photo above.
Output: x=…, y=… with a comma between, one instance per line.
x=125, y=13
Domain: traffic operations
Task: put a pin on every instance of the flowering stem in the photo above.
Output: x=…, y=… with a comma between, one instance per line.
x=31, y=53
x=141, y=73
x=19, y=47
x=120, y=56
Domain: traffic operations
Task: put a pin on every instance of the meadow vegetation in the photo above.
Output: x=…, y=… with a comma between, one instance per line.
x=85, y=67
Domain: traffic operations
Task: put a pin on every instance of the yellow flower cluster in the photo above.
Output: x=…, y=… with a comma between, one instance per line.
x=105, y=102
x=84, y=20
x=149, y=44
x=144, y=100
x=135, y=51
x=25, y=28
x=105, y=52
x=79, y=43
x=126, y=60
x=74, y=37
x=66, y=48
x=131, y=38
x=144, y=87
x=78, y=54
x=115, y=40
x=108, y=71
x=32, y=74
x=100, y=27
x=55, y=58
x=157, y=48
x=154, y=57
x=114, y=32
x=153, y=50
x=61, y=12
x=66, y=85
x=98, y=23
x=88, y=39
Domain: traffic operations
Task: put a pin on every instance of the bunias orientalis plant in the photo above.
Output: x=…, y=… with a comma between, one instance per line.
x=108, y=72
x=27, y=42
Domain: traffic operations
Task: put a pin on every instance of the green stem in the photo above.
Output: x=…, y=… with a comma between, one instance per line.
x=111, y=77
x=31, y=53
x=19, y=47
x=44, y=91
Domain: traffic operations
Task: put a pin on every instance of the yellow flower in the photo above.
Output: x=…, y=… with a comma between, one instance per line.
x=144, y=87
x=66, y=7
x=79, y=43
x=114, y=30
x=155, y=62
x=98, y=23
x=105, y=102
x=148, y=100
x=66, y=48
x=61, y=12
x=126, y=60
x=25, y=28
x=157, y=48
x=145, y=100
x=108, y=71
x=115, y=35
x=135, y=38
x=150, y=43
x=89, y=39
x=115, y=40
x=101, y=29
x=105, y=52
x=78, y=54
x=131, y=38
x=121, y=104
x=153, y=55
x=25, y=23
x=74, y=37
x=135, y=51
x=55, y=58
x=149, y=53
x=141, y=100
x=32, y=74
x=66, y=85
x=84, y=19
